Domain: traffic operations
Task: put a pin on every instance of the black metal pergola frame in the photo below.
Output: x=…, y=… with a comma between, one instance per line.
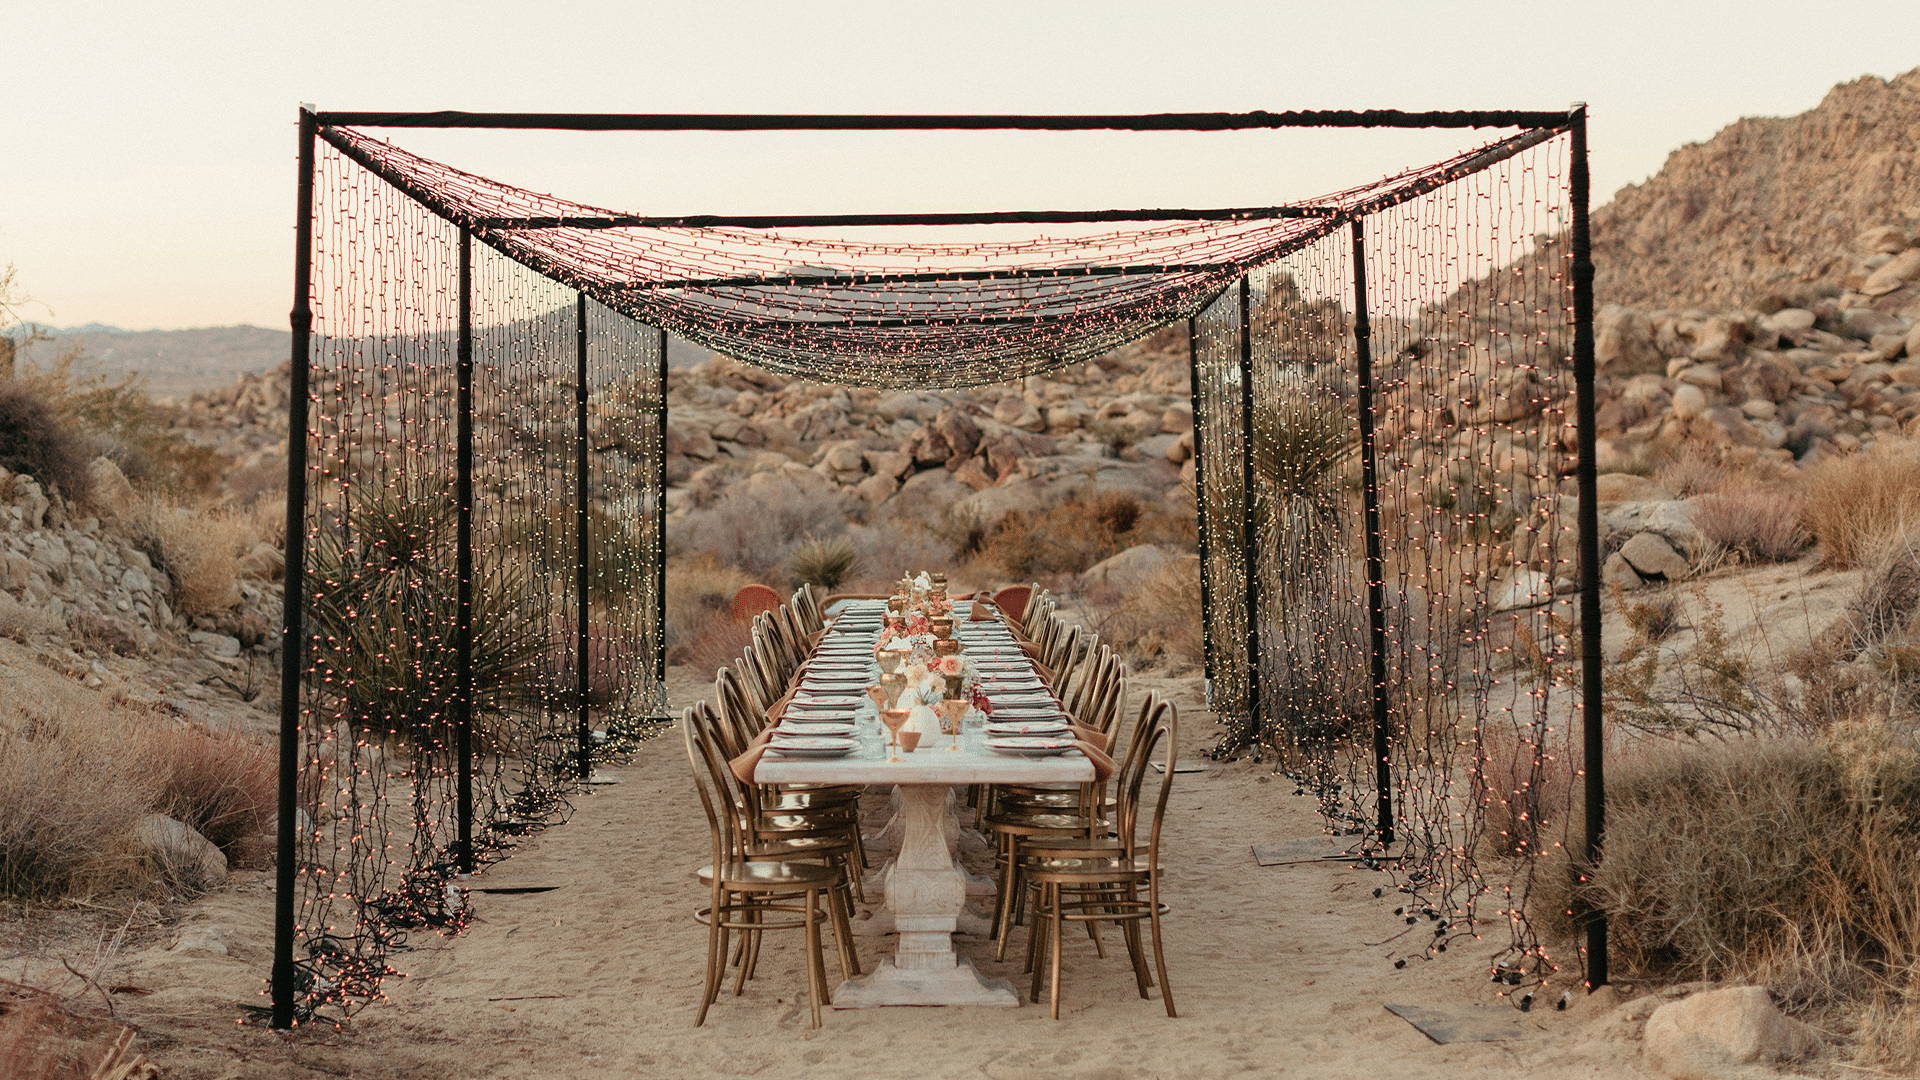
x=316, y=125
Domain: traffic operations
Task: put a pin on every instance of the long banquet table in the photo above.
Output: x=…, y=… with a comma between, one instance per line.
x=926, y=887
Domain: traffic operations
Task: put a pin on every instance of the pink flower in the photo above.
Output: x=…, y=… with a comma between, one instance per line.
x=948, y=665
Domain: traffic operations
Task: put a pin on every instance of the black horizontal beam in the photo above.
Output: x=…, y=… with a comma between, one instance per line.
x=810, y=221
x=1188, y=121
x=855, y=281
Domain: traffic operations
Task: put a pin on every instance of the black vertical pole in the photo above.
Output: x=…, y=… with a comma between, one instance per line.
x=292, y=630
x=1249, y=531
x=1594, y=740
x=1200, y=502
x=583, y=643
x=463, y=555
x=660, y=536
x=1376, y=561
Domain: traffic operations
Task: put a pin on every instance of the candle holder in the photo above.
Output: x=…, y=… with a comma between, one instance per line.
x=942, y=626
x=946, y=647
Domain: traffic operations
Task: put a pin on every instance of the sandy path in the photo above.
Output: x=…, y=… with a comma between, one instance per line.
x=598, y=977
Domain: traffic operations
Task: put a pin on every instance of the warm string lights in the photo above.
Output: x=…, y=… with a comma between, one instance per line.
x=381, y=815
x=997, y=302
x=435, y=289
x=1472, y=387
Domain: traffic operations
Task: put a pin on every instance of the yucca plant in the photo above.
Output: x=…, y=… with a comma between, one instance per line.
x=383, y=610
x=823, y=562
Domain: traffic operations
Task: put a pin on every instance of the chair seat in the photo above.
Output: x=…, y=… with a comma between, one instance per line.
x=770, y=876
x=826, y=818
x=1034, y=823
x=796, y=801
x=1071, y=847
x=799, y=847
x=1117, y=870
x=1034, y=800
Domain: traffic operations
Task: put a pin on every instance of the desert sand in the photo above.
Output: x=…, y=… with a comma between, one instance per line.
x=598, y=977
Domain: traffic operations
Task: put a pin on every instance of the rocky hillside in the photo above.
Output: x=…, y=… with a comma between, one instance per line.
x=1769, y=206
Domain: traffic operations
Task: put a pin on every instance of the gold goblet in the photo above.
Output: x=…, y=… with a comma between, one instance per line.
x=892, y=685
x=951, y=712
x=942, y=626
x=895, y=719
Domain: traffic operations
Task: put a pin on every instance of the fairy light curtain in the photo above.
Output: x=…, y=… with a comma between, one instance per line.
x=1384, y=383
x=1470, y=335
x=976, y=304
x=564, y=636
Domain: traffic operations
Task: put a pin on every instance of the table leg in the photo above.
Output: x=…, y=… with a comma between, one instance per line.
x=926, y=895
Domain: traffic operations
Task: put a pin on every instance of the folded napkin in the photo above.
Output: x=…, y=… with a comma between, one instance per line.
x=743, y=766
x=1102, y=764
x=1088, y=736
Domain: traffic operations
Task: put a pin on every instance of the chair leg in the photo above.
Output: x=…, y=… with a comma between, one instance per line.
x=840, y=907
x=749, y=950
x=716, y=963
x=1159, y=954
x=814, y=976
x=1136, y=955
x=1093, y=931
x=1053, y=944
x=1003, y=912
x=1036, y=939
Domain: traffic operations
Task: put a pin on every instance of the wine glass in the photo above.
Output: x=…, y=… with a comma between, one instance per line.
x=952, y=711
x=892, y=685
x=891, y=660
x=895, y=719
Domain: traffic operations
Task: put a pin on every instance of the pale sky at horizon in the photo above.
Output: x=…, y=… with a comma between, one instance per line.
x=148, y=176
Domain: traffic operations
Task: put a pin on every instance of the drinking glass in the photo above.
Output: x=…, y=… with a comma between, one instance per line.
x=895, y=719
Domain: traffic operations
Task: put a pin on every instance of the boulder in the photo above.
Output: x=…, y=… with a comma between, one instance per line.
x=1789, y=322
x=1653, y=556
x=1128, y=571
x=1615, y=573
x=1623, y=341
x=1689, y=401
x=1865, y=323
x=108, y=489
x=1176, y=418
x=1524, y=589
x=1881, y=240
x=183, y=858
x=892, y=464
x=1714, y=1034
x=1626, y=487
x=1896, y=272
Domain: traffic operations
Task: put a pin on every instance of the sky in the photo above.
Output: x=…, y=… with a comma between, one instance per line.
x=147, y=175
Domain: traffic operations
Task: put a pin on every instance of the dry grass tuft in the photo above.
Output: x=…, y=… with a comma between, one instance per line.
x=41, y=1039
x=1857, y=504
x=1784, y=861
x=823, y=562
x=1754, y=524
x=224, y=786
x=199, y=551
x=1070, y=537
x=700, y=592
x=72, y=793
x=1158, y=620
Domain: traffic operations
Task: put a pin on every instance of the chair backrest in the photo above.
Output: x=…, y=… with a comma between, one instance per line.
x=719, y=792
x=751, y=600
x=741, y=717
x=1156, y=729
x=806, y=603
x=1012, y=602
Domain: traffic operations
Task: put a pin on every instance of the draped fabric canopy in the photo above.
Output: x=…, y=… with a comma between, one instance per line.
x=981, y=298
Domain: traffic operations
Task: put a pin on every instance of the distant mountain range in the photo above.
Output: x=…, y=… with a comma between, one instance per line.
x=175, y=364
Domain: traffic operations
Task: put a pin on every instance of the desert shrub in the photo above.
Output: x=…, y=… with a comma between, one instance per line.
x=718, y=643
x=1159, y=619
x=72, y=794
x=1753, y=523
x=391, y=621
x=198, y=550
x=1783, y=861
x=1856, y=504
x=224, y=786
x=823, y=562
x=757, y=525
x=1068, y=538
x=1688, y=471
x=35, y=439
x=700, y=592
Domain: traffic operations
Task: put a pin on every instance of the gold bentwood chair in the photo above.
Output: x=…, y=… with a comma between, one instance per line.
x=789, y=810
x=753, y=883
x=1101, y=878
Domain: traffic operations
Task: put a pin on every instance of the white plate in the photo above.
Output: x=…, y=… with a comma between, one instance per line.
x=1026, y=727
x=813, y=742
x=1029, y=747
